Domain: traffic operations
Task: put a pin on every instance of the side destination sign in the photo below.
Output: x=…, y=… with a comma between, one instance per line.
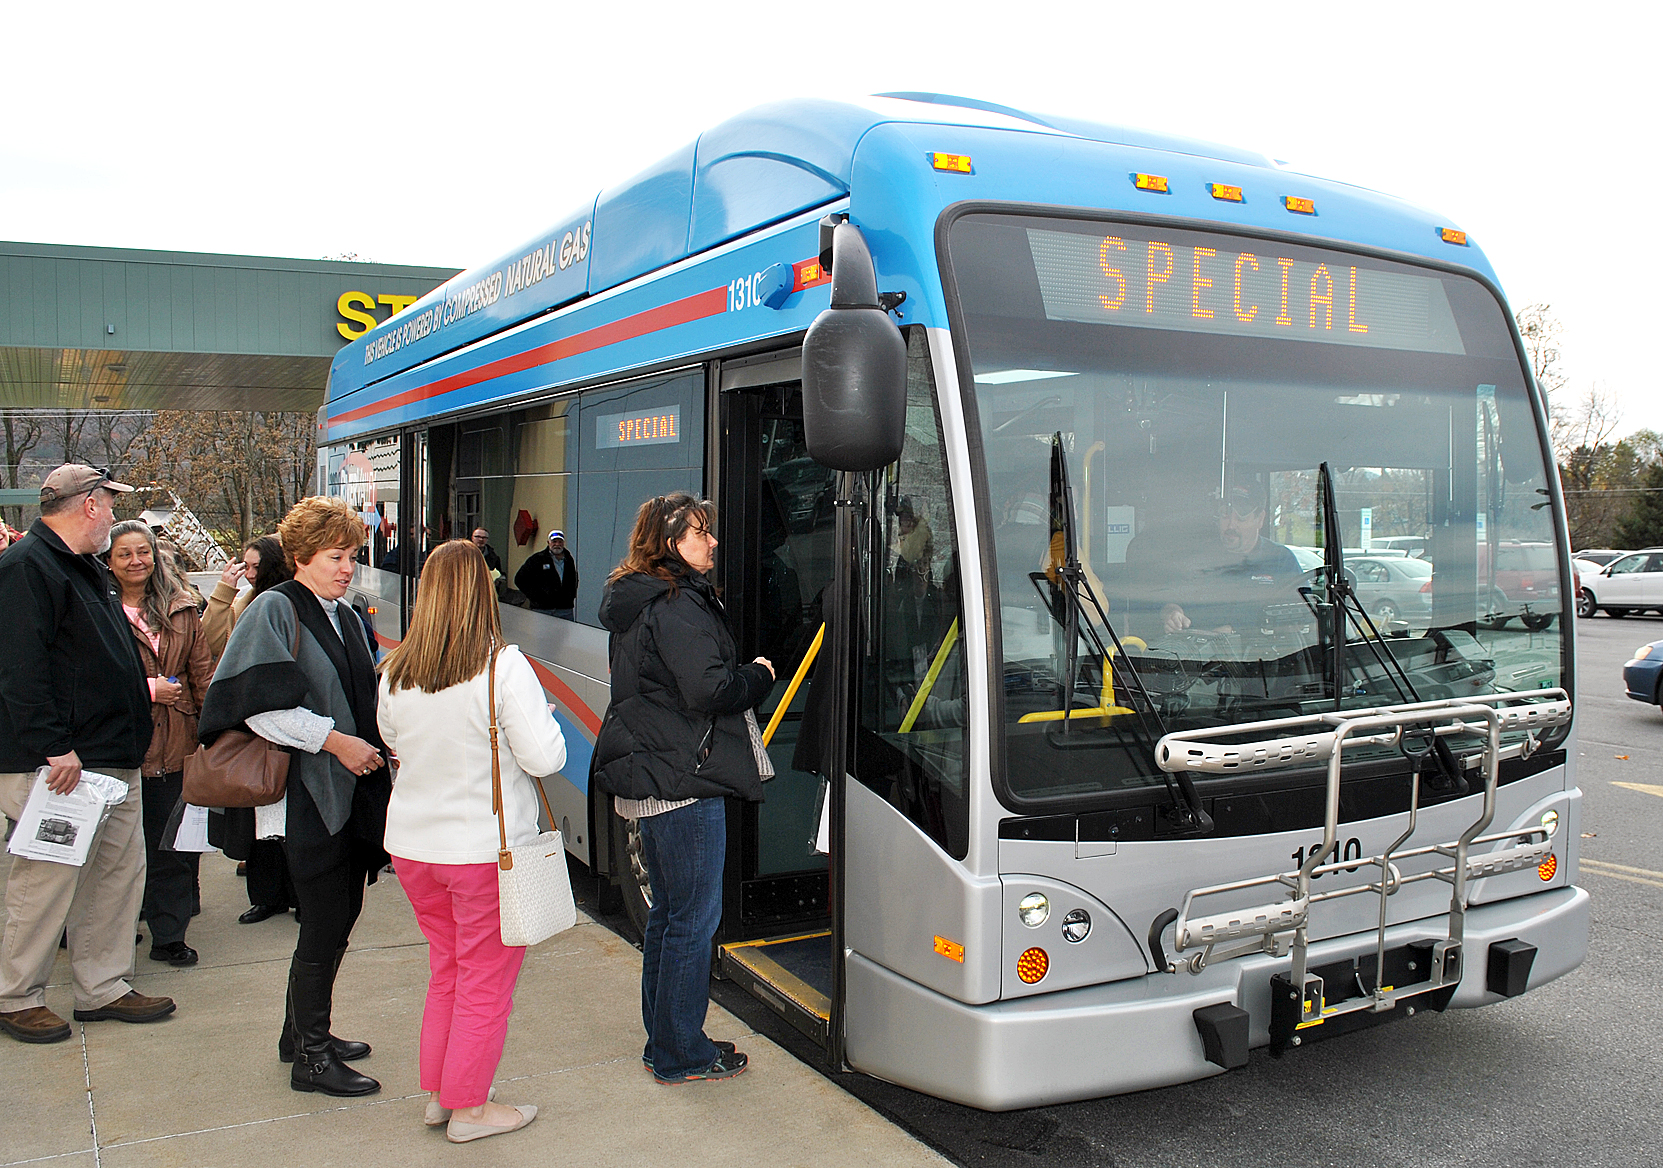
x=543, y=274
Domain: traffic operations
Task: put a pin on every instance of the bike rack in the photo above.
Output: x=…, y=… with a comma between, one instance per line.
x=1280, y=928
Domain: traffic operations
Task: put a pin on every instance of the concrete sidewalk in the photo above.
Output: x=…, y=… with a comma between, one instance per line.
x=204, y=1086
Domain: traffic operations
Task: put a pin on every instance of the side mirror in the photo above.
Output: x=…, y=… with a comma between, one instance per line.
x=854, y=367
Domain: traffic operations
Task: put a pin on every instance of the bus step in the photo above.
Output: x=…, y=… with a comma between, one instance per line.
x=790, y=975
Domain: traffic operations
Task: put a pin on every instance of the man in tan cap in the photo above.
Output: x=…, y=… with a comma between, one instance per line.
x=72, y=694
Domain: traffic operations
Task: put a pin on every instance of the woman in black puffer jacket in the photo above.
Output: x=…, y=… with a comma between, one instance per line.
x=674, y=744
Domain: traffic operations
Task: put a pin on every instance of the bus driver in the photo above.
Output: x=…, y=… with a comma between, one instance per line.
x=1226, y=584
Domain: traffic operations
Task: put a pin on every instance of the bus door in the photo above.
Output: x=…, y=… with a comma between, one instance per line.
x=777, y=518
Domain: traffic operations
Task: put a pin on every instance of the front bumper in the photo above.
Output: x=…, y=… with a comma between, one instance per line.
x=1140, y=1033
x=1640, y=679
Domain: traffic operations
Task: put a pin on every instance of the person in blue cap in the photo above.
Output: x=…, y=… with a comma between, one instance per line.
x=549, y=579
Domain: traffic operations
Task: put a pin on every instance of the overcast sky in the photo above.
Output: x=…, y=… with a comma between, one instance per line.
x=444, y=134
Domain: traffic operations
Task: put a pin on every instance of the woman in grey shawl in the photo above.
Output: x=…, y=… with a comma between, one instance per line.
x=298, y=672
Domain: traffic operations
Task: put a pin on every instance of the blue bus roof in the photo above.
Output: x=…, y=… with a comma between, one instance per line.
x=781, y=160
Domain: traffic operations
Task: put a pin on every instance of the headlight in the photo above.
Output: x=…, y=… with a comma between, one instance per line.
x=1033, y=909
x=1642, y=653
x=1076, y=925
x=1550, y=821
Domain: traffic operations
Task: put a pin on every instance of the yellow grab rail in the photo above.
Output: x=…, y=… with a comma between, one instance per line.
x=791, y=690
x=1104, y=709
x=917, y=707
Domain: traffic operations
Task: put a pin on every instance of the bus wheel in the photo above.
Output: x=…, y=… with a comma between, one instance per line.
x=632, y=879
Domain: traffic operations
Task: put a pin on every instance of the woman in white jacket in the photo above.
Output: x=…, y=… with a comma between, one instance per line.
x=442, y=830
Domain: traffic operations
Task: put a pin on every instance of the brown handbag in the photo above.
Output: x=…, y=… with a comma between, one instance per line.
x=239, y=768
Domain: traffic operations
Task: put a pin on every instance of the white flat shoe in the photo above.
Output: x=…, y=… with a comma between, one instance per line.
x=437, y=1116
x=460, y=1131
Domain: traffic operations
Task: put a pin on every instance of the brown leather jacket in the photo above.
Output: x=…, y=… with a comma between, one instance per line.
x=225, y=605
x=184, y=655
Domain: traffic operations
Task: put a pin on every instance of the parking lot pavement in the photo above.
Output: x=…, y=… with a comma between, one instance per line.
x=204, y=1086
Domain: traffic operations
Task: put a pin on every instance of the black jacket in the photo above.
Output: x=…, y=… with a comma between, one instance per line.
x=676, y=685
x=543, y=586
x=70, y=677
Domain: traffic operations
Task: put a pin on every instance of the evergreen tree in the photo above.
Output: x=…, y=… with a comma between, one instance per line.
x=1643, y=526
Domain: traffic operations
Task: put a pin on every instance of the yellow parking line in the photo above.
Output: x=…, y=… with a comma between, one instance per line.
x=1624, y=872
x=1643, y=788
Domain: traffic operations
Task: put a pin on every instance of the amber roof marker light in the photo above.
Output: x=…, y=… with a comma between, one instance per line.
x=1153, y=183
x=956, y=163
x=1450, y=235
x=1225, y=193
x=1299, y=206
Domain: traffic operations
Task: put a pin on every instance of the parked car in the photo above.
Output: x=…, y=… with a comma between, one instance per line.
x=1599, y=556
x=1390, y=587
x=1643, y=672
x=1413, y=546
x=1394, y=588
x=1525, y=585
x=1629, y=583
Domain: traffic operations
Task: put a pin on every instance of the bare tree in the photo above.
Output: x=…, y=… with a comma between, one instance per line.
x=23, y=434
x=1593, y=470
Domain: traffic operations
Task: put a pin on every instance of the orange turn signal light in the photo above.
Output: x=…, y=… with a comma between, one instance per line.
x=951, y=950
x=959, y=163
x=1299, y=206
x=1548, y=867
x=1033, y=965
x=1150, y=182
x=1450, y=235
x=1228, y=193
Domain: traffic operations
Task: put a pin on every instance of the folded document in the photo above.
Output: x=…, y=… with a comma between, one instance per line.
x=60, y=828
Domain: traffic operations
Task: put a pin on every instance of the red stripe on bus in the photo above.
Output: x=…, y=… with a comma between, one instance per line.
x=550, y=683
x=564, y=693
x=695, y=307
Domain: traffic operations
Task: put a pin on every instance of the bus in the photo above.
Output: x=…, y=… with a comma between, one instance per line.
x=1084, y=784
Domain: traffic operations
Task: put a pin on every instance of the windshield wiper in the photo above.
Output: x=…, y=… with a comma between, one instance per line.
x=1069, y=579
x=1346, y=610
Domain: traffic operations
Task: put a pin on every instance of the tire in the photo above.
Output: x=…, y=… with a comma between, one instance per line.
x=632, y=877
x=1386, y=611
x=1496, y=620
x=1537, y=621
x=1619, y=613
x=1585, y=606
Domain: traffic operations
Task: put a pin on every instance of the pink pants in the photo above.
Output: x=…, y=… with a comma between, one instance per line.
x=471, y=991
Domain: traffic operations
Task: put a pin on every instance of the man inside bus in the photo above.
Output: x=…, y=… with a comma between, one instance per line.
x=482, y=541
x=549, y=579
x=1222, y=578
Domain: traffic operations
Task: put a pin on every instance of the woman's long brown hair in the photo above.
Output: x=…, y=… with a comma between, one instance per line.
x=660, y=524
x=455, y=624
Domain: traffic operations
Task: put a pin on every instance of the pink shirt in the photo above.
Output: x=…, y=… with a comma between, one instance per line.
x=135, y=617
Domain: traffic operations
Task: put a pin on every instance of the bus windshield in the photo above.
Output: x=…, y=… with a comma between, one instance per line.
x=1195, y=383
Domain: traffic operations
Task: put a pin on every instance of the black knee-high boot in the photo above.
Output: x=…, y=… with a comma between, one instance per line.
x=315, y=1067
x=345, y=1049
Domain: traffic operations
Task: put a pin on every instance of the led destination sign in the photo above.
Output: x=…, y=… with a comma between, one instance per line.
x=1222, y=284
x=653, y=428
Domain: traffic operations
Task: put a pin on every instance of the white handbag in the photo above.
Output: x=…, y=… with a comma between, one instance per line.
x=534, y=890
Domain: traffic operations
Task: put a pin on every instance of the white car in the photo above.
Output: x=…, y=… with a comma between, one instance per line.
x=1627, y=584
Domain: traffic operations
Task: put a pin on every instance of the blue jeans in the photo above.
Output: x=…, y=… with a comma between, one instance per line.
x=684, y=852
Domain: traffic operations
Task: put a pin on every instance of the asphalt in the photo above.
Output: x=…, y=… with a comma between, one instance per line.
x=204, y=1086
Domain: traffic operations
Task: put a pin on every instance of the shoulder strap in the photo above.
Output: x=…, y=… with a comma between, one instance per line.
x=505, y=858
